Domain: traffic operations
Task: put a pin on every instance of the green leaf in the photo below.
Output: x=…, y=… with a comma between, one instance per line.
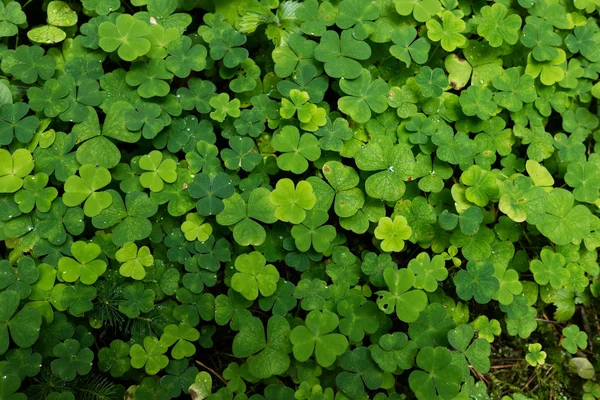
x=448, y=33
x=573, y=339
x=496, y=26
x=407, y=303
x=297, y=149
x=291, y=203
x=477, y=281
x=393, y=233
x=72, y=360
x=150, y=356
x=364, y=95
x=437, y=375
x=253, y=276
x=339, y=53
x=125, y=34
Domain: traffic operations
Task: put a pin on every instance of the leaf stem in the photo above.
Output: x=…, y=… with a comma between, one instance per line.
x=215, y=373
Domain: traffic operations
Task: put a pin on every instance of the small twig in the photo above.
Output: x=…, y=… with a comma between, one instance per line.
x=502, y=366
x=531, y=378
x=215, y=373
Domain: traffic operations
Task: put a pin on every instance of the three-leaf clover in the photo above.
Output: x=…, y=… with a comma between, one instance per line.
x=126, y=34
x=134, y=261
x=477, y=352
x=393, y=233
x=573, y=339
x=85, y=188
x=421, y=10
x=194, y=228
x=514, y=89
x=84, y=267
x=292, y=202
x=151, y=356
x=339, y=53
x=312, y=231
x=11, y=15
x=13, y=168
x=535, y=356
x=15, y=124
x=448, y=33
x=540, y=36
x=310, y=116
x=406, y=48
x=182, y=336
x=496, y=27
x=550, y=269
x=72, y=360
x=316, y=337
x=254, y=275
x=296, y=149
x=428, y=272
x=210, y=192
x=407, y=303
x=563, y=222
x=437, y=374
x=477, y=281
x=481, y=185
x=158, y=170
x=267, y=356
x=364, y=95
x=35, y=194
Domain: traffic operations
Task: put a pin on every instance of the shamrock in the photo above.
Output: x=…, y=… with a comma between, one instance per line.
x=266, y=356
x=159, y=171
x=52, y=99
x=316, y=17
x=339, y=53
x=114, y=358
x=224, y=107
x=393, y=233
x=486, y=328
x=14, y=123
x=241, y=154
x=564, y=222
x=211, y=191
x=184, y=58
x=85, y=267
x=134, y=260
x=539, y=35
x=476, y=281
x=149, y=77
x=85, y=188
x=582, y=41
x=408, y=304
x=358, y=14
x=24, y=326
x=359, y=371
x=150, y=355
x=481, y=185
x=550, y=72
x=406, y=48
x=137, y=300
x=312, y=231
x=310, y=116
x=396, y=163
x=291, y=202
x=13, y=168
x=496, y=27
x=449, y=32
x=573, y=339
x=11, y=15
x=364, y=95
x=254, y=276
x=129, y=218
x=428, y=271
x=72, y=360
x=194, y=228
x=146, y=117
x=477, y=100
x=297, y=54
x=247, y=231
x=32, y=63
x=296, y=149
x=476, y=352
x=316, y=337
x=514, y=89
x=333, y=134
x=535, y=356
x=550, y=269
x=59, y=220
x=431, y=82
x=394, y=351
x=583, y=176
x=226, y=47
x=437, y=374
x=313, y=293
x=35, y=194
x=126, y=34
x=358, y=317
x=198, y=95
x=181, y=335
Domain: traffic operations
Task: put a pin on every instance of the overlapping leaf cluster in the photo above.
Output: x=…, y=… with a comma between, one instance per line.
x=318, y=200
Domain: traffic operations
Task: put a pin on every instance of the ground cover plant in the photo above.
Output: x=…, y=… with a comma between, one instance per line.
x=315, y=200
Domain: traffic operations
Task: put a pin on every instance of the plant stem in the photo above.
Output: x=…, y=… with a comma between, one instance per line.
x=215, y=373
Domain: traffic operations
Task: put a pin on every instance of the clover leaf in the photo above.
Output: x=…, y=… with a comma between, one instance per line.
x=298, y=53
x=550, y=269
x=477, y=281
x=134, y=260
x=448, y=33
x=211, y=191
x=316, y=17
x=437, y=374
x=72, y=360
x=339, y=53
x=421, y=10
x=481, y=185
x=563, y=222
x=359, y=371
x=428, y=271
x=84, y=267
x=15, y=124
x=150, y=356
x=266, y=356
x=184, y=58
x=291, y=203
x=296, y=149
x=85, y=188
x=24, y=326
x=181, y=335
x=573, y=339
x=13, y=168
x=125, y=34
x=496, y=27
x=476, y=352
x=539, y=35
x=35, y=194
x=514, y=89
x=407, y=49
x=149, y=78
x=137, y=300
x=11, y=15
x=253, y=276
x=393, y=233
x=313, y=232
x=311, y=117
x=407, y=303
x=158, y=171
x=114, y=358
x=364, y=95
x=316, y=337
x=535, y=356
